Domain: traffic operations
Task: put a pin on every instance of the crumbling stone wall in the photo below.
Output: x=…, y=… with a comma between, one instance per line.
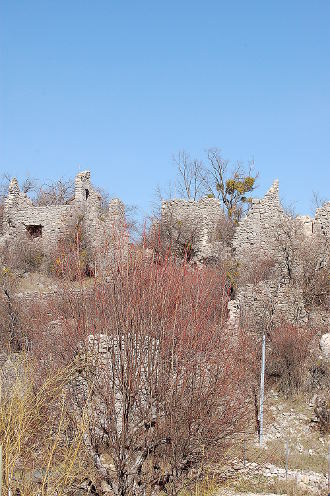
x=307, y=224
x=257, y=229
x=192, y=221
x=268, y=231
x=322, y=220
x=48, y=224
x=20, y=213
x=195, y=222
x=267, y=303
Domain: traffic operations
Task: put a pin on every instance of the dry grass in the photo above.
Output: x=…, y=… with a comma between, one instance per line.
x=208, y=487
x=35, y=281
x=308, y=438
x=275, y=454
x=262, y=485
x=38, y=282
x=257, y=485
x=35, y=433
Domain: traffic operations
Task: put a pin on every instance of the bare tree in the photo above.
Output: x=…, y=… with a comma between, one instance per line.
x=55, y=193
x=218, y=178
x=317, y=201
x=230, y=183
x=191, y=176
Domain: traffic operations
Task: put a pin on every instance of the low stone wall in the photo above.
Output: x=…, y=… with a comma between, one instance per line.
x=306, y=480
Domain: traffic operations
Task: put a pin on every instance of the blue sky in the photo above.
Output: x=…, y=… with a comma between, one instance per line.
x=117, y=87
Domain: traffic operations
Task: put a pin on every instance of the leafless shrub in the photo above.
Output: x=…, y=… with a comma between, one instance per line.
x=22, y=254
x=164, y=383
x=256, y=267
x=224, y=231
x=291, y=356
x=70, y=259
x=173, y=236
x=322, y=413
x=42, y=448
x=57, y=192
x=314, y=260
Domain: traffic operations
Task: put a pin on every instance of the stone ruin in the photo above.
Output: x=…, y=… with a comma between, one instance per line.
x=201, y=221
x=196, y=222
x=258, y=233
x=46, y=225
x=258, y=229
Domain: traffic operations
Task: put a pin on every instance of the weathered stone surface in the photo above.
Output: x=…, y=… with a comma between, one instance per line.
x=267, y=231
x=307, y=224
x=48, y=224
x=256, y=230
x=325, y=345
x=322, y=219
x=269, y=301
x=196, y=222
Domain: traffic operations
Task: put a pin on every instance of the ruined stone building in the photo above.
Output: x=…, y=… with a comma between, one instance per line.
x=195, y=222
x=199, y=224
x=258, y=229
x=48, y=224
x=203, y=220
x=266, y=231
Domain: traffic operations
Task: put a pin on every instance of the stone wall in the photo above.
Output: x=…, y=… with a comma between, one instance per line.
x=267, y=231
x=267, y=303
x=322, y=220
x=257, y=229
x=47, y=224
x=196, y=222
x=187, y=221
x=20, y=213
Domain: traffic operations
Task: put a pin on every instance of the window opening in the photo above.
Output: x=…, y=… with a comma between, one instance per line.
x=34, y=230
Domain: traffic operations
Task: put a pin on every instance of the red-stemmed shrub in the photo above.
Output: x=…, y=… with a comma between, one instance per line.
x=172, y=385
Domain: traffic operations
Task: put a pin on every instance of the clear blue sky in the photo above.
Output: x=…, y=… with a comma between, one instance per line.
x=117, y=87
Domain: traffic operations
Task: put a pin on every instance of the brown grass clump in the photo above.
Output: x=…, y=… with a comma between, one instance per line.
x=42, y=448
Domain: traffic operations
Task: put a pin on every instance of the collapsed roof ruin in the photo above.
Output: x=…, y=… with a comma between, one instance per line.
x=48, y=224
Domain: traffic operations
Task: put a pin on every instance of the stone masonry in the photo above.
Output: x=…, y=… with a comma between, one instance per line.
x=195, y=221
x=256, y=231
x=259, y=234
x=258, y=228
x=48, y=224
x=199, y=222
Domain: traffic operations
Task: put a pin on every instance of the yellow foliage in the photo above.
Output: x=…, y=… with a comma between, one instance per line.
x=240, y=186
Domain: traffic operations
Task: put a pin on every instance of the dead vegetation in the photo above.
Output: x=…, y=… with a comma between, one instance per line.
x=131, y=382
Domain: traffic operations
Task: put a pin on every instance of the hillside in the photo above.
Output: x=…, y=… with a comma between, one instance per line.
x=133, y=367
